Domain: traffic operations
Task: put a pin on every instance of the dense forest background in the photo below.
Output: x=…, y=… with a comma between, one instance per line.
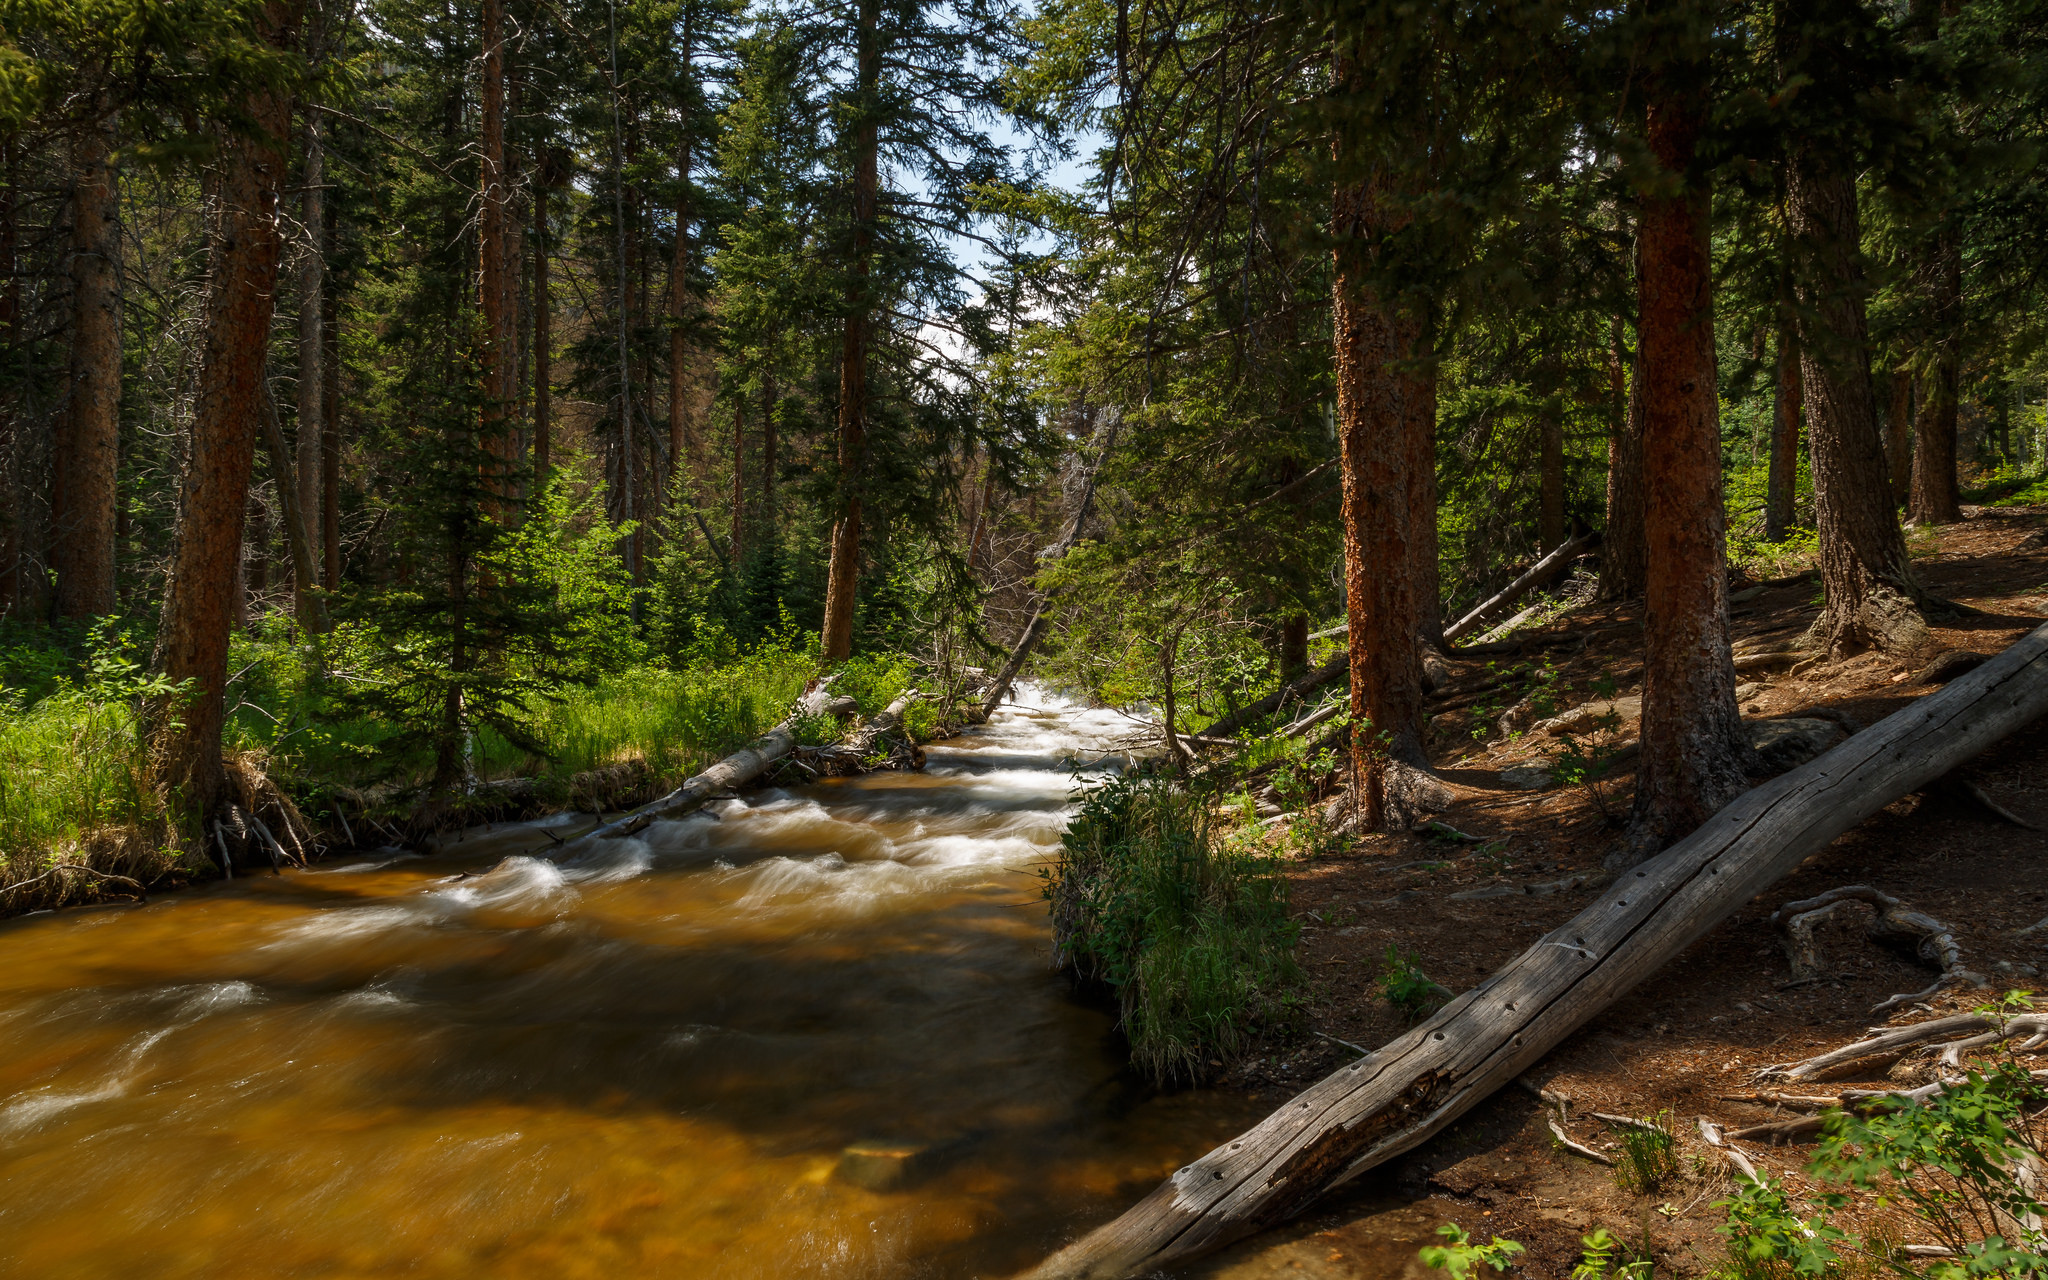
x=406, y=394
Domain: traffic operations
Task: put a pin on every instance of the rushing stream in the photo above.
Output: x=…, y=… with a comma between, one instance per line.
x=652, y=1061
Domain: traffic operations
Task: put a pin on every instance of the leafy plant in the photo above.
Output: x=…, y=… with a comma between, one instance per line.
x=1461, y=1256
x=1407, y=987
x=1604, y=1260
x=1649, y=1157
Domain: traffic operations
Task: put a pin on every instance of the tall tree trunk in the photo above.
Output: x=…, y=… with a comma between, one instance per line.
x=543, y=337
x=497, y=281
x=1624, y=555
x=1898, y=445
x=1375, y=424
x=312, y=397
x=11, y=539
x=330, y=442
x=1550, y=512
x=768, y=464
x=192, y=642
x=843, y=578
x=1782, y=496
x=684, y=449
x=1293, y=647
x=1418, y=423
x=1872, y=598
x=82, y=496
x=1693, y=749
x=1936, y=497
x=739, y=478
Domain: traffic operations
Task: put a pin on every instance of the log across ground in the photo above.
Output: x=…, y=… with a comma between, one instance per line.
x=1687, y=1039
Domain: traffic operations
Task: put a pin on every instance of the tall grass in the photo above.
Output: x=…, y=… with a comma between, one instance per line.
x=1189, y=929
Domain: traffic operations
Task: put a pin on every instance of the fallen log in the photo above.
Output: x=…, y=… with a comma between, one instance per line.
x=1338, y=664
x=1533, y=577
x=736, y=770
x=1395, y=1099
x=882, y=731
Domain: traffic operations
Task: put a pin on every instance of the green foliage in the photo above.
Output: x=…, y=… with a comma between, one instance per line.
x=1949, y=1161
x=1604, y=1259
x=1461, y=1257
x=873, y=680
x=1407, y=987
x=1189, y=929
x=1649, y=1157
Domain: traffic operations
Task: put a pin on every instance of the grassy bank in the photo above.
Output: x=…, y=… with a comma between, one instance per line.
x=1189, y=927
x=79, y=819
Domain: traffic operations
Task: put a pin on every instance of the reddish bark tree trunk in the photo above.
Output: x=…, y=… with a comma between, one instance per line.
x=87, y=452
x=837, y=638
x=739, y=479
x=543, y=337
x=1375, y=424
x=330, y=443
x=1782, y=496
x=192, y=643
x=312, y=398
x=1693, y=749
x=1936, y=497
x=1622, y=553
x=1872, y=598
x=497, y=282
x=10, y=408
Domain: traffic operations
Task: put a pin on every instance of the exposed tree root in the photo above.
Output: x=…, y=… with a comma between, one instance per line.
x=1893, y=925
x=2030, y=1030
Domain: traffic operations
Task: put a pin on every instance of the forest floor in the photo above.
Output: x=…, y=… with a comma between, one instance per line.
x=1690, y=1037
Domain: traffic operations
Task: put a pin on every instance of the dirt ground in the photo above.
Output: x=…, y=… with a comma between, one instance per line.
x=1687, y=1040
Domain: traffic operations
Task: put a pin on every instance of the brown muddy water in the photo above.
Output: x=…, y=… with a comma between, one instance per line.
x=645, y=1060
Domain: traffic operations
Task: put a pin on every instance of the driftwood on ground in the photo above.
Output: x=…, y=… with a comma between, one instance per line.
x=736, y=770
x=1393, y=1100
x=1535, y=576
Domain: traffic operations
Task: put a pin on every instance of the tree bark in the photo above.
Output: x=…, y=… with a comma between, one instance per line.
x=86, y=457
x=496, y=281
x=768, y=462
x=684, y=449
x=1418, y=405
x=543, y=337
x=11, y=539
x=307, y=606
x=1693, y=749
x=1397, y=1097
x=837, y=638
x=192, y=641
x=1624, y=559
x=738, y=537
x=1293, y=647
x=312, y=398
x=330, y=443
x=1872, y=598
x=1550, y=505
x=1375, y=425
x=1898, y=447
x=1936, y=498
x=1781, y=499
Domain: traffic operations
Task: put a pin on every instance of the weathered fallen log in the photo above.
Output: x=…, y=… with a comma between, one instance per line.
x=1339, y=663
x=1533, y=577
x=736, y=770
x=1395, y=1099
x=882, y=732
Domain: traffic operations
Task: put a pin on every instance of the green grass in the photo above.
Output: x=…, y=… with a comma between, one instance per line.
x=1189, y=929
x=1649, y=1157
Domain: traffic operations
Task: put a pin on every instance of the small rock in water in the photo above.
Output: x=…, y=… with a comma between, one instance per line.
x=880, y=1166
x=1526, y=777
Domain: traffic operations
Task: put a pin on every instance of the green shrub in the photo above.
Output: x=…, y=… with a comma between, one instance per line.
x=1649, y=1157
x=1407, y=987
x=1190, y=930
x=1951, y=1162
x=1460, y=1257
x=873, y=680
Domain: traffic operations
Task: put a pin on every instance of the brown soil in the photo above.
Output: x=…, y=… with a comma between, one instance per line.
x=1693, y=1035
